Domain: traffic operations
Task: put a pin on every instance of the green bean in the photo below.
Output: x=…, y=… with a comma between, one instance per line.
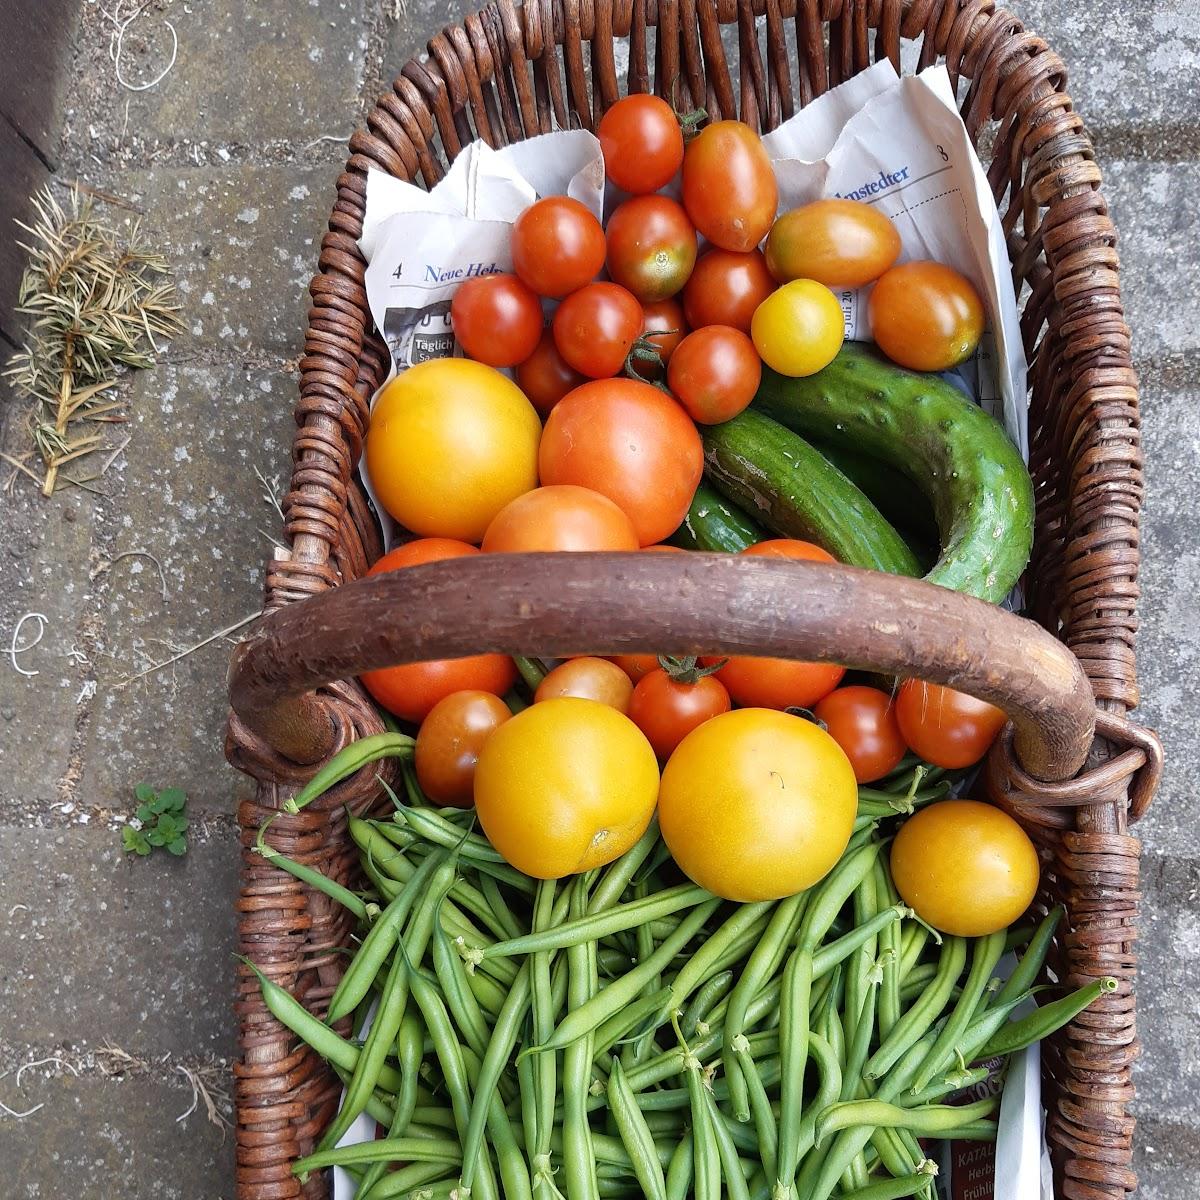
x=635, y=1134
x=916, y=982
x=731, y=1166
x=706, y=1160
x=617, y=875
x=347, y=762
x=859, y=1042
x=644, y=940
x=763, y=963
x=985, y=957
x=435, y=1115
x=1026, y=971
x=403, y=836
x=738, y=929
x=679, y=1171
x=592, y=927
x=766, y=1139
x=578, y=1151
x=317, y=880
x=452, y=977
x=912, y=945
x=377, y=945
x=399, y=1182
x=543, y=1067
x=495, y=899
x=833, y=891
x=893, y=1152
x=489, y=994
x=431, y=825
x=922, y=1014
x=1016, y=1035
x=793, y=1042
x=865, y=906
x=409, y=1046
x=946, y=1085
x=888, y=1010
x=383, y=854
x=626, y=1019
x=380, y=1150
x=710, y=993
x=927, y=1121
x=976, y=1131
x=378, y=1106
x=891, y=1189
x=585, y=1017
x=675, y=1099
x=832, y=953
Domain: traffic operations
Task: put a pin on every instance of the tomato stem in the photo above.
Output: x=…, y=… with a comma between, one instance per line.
x=645, y=351
x=688, y=669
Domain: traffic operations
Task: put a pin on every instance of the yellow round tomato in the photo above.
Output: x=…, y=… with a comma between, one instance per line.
x=565, y=786
x=964, y=867
x=757, y=804
x=451, y=442
x=798, y=328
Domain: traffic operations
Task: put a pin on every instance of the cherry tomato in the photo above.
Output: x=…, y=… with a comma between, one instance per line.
x=714, y=373
x=840, y=243
x=729, y=187
x=631, y=442
x=589, y=679
x=497, y=319
x=862, y=720
x=925, y=316
x=725, y=289
x=947, y=728
x=666, y=709
x=559, y=517
x=557, y=246
x=449, y=741
x=664, y=327
x=789, y=548
x=651, y=247
x=565, y=786
x=412, y=689
x=642, y=143
x=964, y=867
x=757, y=805
x=450, y=443
x=544, y=377
x=636, y=666
x=798, y=329
x=595, y=327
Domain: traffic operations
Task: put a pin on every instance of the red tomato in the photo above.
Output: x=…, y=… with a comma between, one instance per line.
x=557, y=246
x=664, y=328
x=631, y=442
x=412, y=689
x=667, y=710
x=449, y=741
x=497, y=319
x=714, y=373
x=595, y=328
x=925, y=316
x=947, y=728
x=642, y=143
x=862, y=720
x=559, y=517
x=840, y=243
x=544, y=377
x=725, y=289
x=780, y=682
x=651, y=247
x=729, y=187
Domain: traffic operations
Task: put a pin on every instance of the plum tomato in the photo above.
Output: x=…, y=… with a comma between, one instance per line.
x=729, y=187
x=925, y=316
x=725, y=289
x=557, y=246
x=840, y=243
x=642, y=143
x=497, y=319
x=544, y=376
x=714, y=373
x=595, y=328
x=651, y=247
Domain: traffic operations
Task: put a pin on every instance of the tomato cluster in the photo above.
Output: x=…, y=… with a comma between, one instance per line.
x=595, y=446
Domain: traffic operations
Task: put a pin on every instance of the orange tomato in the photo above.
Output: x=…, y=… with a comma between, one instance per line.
x=589, y=679
x=729, y=187
x=638, y=666
x=560, y=517
x=565, y=786
x=840, y=243
x=947, y=728
x=925, y=316
x=757, y=805
x=412, y=689
x=631, y=442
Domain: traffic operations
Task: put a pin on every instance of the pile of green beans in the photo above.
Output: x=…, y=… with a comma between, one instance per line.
x=624, y=1033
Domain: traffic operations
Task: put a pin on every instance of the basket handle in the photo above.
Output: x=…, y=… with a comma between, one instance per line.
x=610, y=603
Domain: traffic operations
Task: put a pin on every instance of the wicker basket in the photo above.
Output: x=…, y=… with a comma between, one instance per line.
x=509, y=72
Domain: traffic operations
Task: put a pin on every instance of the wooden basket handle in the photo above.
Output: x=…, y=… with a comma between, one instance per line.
x=611, y=603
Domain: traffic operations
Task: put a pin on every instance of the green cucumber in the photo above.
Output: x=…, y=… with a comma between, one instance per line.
x=957, y=454
x=713, y=523
x=797, y=492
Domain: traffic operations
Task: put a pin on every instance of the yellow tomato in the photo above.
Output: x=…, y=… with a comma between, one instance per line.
x=565, y=786
x=798, y=328
x=451, y=442
x=966, y=868
x=757, y=804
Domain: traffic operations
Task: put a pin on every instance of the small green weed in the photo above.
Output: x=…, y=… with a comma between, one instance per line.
x=161, y=820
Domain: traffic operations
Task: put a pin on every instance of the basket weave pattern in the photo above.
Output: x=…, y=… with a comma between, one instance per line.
x=510, y=72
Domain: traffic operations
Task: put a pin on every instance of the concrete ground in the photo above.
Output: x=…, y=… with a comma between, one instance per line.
x=115, y=974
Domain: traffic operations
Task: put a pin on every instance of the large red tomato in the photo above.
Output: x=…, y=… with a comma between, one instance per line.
x=631, y=442
x=412, y=689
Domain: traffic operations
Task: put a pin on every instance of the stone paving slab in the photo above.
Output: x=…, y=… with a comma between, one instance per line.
x=98, y=1138
x=113, y=948
x=242, y=242
x=1166, y=1161
x=249, y=71
x=190, y=497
